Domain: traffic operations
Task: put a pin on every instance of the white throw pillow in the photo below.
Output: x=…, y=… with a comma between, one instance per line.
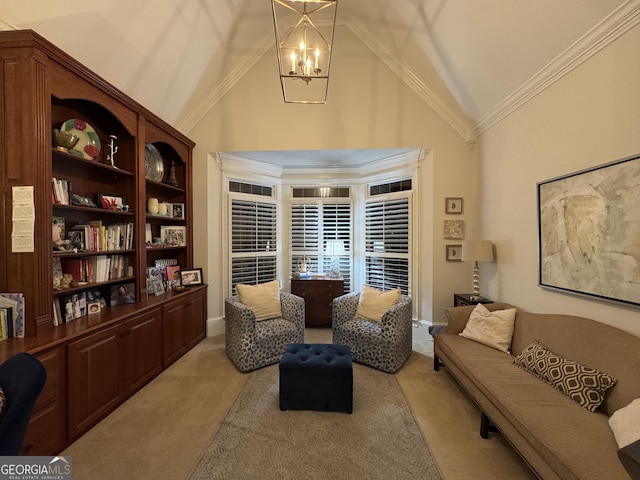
x=493, y=329
x=263, y=299
x=374, y=303
x=625, y=423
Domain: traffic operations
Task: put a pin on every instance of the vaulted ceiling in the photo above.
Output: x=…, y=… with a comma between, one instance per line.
x=492, y=55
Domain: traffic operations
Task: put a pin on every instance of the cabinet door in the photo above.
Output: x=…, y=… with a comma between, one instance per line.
x=46, y=434
x=142, y=350
x=173, y=332
x=94, y=379
x=195, y=319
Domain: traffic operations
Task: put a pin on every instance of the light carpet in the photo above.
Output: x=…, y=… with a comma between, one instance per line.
x=379, y=440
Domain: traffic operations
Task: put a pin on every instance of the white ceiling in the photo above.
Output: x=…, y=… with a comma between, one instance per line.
x=166, y=53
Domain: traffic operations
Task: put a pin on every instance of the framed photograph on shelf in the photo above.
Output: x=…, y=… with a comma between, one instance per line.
x=453, y=205
x=123, y=294
x=112, y=202
x=177, y=210
x=174, y=236
x=454, y=253
x=191, y=277
x=173, y=276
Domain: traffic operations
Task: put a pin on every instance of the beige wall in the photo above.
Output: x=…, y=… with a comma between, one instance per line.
x=589, y=117
x=369, y=107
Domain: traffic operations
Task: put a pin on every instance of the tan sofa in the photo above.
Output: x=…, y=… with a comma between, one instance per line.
x=557, y=437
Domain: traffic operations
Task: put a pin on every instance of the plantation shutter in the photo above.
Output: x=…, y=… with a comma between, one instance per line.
x=312, y=224
x=337, y=226
x=387, y=246
x=253, y=242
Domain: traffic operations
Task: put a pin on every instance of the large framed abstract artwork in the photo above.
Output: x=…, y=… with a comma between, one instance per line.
x=589, y=232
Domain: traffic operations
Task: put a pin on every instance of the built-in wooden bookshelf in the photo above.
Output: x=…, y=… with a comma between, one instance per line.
x=94, y=361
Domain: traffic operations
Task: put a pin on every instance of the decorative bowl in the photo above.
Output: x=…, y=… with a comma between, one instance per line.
x=64, y=140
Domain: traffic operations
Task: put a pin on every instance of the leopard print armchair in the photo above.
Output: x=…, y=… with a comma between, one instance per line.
x=250, y=344
x=384, y=345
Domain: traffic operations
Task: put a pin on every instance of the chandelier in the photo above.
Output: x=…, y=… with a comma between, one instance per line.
x=304, y=41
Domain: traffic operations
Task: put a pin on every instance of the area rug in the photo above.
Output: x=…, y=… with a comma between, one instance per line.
x=379, y=440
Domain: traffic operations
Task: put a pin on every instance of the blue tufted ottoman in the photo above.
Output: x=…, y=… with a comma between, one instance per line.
x=316, y=376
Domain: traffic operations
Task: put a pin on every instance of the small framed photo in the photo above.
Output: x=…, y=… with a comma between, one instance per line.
x=177, y=210
x=191, y=277
x=174, y=236
x=453, y=205
x=454, y=253
x=123, y=294
x=113, y=202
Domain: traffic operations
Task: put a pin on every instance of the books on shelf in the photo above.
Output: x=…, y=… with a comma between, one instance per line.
x=13, y=303
x=61, y=191
x=96, y=237
x=6, y=323
x=100, y=268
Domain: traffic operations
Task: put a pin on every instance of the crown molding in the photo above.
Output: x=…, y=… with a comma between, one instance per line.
x=607, y=31
x=457, y=121
x=246, y=61
x=230, y=164
x=7, y=25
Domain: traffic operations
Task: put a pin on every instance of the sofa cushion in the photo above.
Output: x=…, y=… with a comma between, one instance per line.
x=263, y=299
x=493, y=329
x=625, y=423
x=374, y=303
x=585, y=385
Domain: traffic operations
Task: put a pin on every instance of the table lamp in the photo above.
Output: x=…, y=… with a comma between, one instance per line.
x=334, y=249
x=477, y=251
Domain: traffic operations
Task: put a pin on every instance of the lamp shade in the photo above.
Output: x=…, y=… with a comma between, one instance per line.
x=335, y=248
x=477, y=251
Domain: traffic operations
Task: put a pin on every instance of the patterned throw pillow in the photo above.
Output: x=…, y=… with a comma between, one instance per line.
x=3, y=403
x=584, y=385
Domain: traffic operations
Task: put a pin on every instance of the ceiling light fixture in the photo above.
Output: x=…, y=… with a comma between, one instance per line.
x=304, y=42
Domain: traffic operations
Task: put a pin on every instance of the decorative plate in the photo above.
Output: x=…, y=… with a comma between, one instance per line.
x=153, y=164
x=88, y=146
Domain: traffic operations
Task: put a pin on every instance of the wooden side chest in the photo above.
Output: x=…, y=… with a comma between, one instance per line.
x=318, y=297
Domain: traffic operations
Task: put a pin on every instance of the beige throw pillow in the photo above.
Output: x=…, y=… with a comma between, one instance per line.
x=374, y=303
x=625, y=423
x=493, y=329
x=263, y=299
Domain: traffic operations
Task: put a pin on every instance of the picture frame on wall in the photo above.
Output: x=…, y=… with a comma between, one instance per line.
x=588, y=226
x=453, y=205
x=454, y=253
x=454, y=229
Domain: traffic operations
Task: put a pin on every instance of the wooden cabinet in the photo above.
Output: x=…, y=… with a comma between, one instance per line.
x=46, y=434
x=94, y=362
x=94, y=379
x=108, y=366
x=318, y=298
x=183, y=326
x=142, y=350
